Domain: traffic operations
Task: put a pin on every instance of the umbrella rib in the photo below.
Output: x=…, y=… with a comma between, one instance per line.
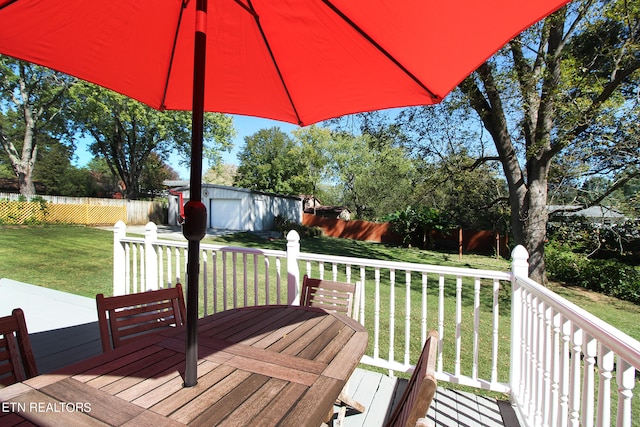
x=8, y=3
x=249, y=8
x=173, y=54
x=380, y=48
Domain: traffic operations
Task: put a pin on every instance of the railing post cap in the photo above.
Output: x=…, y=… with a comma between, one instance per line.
x=119, y=226
x=151, y=226
x=519, y=253
x=293, y=236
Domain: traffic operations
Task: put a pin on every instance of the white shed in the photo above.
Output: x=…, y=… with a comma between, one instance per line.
x=234, y=208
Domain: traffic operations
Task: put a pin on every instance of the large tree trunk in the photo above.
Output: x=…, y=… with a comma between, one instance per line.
x=25, y=180
x=536, y=227
x=23, y=164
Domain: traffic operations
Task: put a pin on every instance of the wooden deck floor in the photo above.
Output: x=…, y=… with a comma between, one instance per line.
x=63, y=329
x=450, y=408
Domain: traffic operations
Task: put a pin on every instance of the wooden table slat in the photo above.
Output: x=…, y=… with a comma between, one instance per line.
x=224, y=406
x=103, y=406
x=114, y=362
x=10, y=419
x=282, y=405
x=151, y=419
x=185, y=395
x=159, y=368
x=317, y=403
x=44, y=410
x=314, y=336
x=344, y=363
x=190, y=410
x=252, y=409
x=273, y=370
x=9, y=392
x=282, y=339
x=265, y=355
x=165, y=389
x=326, y=354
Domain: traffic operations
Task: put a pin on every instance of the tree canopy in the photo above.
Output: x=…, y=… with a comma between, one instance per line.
x=33, y=106
x=127, y=134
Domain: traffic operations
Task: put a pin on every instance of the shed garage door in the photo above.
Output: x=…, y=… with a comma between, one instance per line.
x=225, y=213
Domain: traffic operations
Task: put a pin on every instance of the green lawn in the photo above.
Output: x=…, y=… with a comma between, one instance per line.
x=72, y=259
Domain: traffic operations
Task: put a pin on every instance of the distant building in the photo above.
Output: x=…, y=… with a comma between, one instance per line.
x=313, y=206
x=233, y=208
x=596, y=214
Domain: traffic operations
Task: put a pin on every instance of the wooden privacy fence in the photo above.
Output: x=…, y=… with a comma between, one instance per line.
x=482, y=241
x=80, y=210
x=36, y=212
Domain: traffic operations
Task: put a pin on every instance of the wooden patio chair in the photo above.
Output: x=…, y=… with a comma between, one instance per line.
x=415, y=401
x=337, y=297
x=17, y=362
x=124, y=317
x=332, y=296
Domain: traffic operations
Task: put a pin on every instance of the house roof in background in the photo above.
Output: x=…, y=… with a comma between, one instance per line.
x=590, y=212
x=181, y=185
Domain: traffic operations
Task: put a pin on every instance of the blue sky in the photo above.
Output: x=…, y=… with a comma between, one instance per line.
x=244, y=125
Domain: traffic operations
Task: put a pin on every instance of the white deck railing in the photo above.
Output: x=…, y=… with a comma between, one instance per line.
x=560, y=360
x=568, y=367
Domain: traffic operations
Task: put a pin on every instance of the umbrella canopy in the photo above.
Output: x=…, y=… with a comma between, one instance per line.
x=299, y=61
x=290, y=60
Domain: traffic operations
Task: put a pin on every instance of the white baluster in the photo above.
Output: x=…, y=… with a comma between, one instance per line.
x=626, y=381
x=392, y=314
x=495, y=334
x=458, y=324
x=440, y=318
x=556, y=352
x=588, y=380
x=267, y=284
x=606, y=358
x=423, y=306
x=574, y=393
x=407, y=318
x=376, y=315
x=565, y=374
x=476, y=327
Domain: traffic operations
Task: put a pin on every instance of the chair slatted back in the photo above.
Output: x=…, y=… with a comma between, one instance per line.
x=17, y=362
x=124, y=317
x=421, y=388
x=339, y=297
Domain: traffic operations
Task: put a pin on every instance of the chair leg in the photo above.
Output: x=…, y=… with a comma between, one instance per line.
x=342, y=412
x=347, y=400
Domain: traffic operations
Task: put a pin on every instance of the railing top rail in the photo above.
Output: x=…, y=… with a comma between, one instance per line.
x=614, y=339
x=207, y=246
x=394, y=265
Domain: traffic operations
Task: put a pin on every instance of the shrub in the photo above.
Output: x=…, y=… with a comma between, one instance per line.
x=284, y=225
x=610, y=277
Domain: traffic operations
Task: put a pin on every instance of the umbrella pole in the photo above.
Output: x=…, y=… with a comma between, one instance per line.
x=195, y=225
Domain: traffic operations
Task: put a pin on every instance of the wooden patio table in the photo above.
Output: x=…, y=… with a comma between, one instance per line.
x=266, y=365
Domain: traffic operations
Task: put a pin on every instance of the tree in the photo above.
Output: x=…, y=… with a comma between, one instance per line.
x=270, y=161
x=126, y=133
x=222, y=174
x=58, y=175
x=375, y=178
x=469, y=195
x=568, y=80
x=32, y=107
x=154, y=172
x=313, y=142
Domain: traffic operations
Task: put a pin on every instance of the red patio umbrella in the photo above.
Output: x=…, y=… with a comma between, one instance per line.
x=299, y=61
